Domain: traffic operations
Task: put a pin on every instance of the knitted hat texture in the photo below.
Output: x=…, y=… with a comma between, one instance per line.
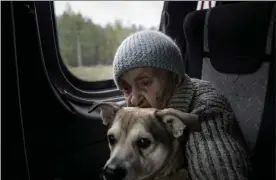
x=147, y=48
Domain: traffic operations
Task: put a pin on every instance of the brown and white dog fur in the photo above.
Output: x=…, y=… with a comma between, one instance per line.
x=144, y=142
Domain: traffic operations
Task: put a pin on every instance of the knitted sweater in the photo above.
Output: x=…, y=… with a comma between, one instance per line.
x=218, y=151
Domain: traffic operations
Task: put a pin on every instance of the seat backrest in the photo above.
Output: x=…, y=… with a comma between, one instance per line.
x=231, y=47
x=193, y=30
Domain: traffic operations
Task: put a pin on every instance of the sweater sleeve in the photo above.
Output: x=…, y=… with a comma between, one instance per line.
x=218, y=151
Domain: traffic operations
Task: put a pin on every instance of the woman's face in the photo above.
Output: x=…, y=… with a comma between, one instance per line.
x=147, y=87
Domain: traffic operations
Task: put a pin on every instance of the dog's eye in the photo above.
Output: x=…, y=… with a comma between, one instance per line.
x=143, y=143
x=111, y=139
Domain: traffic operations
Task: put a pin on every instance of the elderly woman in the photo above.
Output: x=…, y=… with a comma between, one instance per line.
x=149, y=69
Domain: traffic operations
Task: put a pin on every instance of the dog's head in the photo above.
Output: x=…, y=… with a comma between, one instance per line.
x=141, y=139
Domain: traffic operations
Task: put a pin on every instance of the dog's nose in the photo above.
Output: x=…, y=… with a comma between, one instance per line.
x=112, y=172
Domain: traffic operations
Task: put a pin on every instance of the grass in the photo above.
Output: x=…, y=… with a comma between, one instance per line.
x=92, y=73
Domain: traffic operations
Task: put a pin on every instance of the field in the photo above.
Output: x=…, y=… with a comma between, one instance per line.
x=92, y=73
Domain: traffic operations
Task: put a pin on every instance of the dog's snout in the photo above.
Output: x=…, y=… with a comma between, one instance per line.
x=112, y=172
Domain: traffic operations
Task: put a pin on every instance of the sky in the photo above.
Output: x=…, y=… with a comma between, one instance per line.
x=146, y=13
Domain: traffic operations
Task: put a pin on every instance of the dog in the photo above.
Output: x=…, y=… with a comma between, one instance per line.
x=144, y=142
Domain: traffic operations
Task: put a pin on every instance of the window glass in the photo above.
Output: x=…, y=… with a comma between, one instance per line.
x=205, y=5
x=89, y=32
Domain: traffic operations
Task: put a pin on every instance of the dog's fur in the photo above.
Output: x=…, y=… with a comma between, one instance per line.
x=162, y=158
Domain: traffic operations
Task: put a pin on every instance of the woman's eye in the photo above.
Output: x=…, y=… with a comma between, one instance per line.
x=143, y=143
x=111, y=140
x=146, y=83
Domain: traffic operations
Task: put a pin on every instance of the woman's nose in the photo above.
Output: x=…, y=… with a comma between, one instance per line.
x=135, y=98
x=134, y=101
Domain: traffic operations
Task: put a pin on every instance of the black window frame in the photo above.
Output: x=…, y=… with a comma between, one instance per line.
x=68, y=84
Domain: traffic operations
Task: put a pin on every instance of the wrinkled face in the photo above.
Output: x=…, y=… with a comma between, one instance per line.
x=147, y=87
x=139, y=145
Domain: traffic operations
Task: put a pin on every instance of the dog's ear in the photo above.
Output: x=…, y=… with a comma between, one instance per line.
x=107, y=111
x=176, y=121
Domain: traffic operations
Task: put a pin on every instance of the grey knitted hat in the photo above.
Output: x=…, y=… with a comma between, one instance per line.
x=147, y=49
